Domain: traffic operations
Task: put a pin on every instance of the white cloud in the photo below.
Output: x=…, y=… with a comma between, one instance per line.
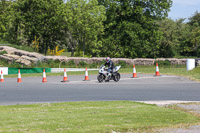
x=187, y=2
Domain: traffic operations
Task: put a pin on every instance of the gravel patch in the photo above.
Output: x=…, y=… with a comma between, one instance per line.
x=189, y=106
x=192, y=108
x=192, y=129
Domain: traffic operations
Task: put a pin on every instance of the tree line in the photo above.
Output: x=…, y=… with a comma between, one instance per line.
x=93, y=28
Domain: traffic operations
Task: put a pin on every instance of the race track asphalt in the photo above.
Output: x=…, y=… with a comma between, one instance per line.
x=144, y=88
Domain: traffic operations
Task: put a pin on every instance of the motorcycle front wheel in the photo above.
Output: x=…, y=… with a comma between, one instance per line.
x=100, y=78
x=116, y=77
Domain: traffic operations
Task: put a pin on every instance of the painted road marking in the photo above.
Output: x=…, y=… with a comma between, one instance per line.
x=124, y=79
x=113, y=82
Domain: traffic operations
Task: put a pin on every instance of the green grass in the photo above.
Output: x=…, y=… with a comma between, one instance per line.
x=4, y=63
x=180, y=71
x=21, y=47
x=68, y=54
x=50, y=74
x=191, y=111
x=90, y=117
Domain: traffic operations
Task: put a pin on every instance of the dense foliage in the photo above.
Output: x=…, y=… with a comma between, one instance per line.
x=115, y=28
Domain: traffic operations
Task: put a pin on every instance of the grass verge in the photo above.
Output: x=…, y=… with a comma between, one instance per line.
x=180, y=71
x=192, y=108
x=102, y=117
x=21, y=47
x=49, y=74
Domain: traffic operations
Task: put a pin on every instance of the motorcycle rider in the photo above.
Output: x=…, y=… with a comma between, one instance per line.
x=110, y=65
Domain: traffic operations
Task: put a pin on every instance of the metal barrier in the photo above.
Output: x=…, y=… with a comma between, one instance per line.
x=54, y=70
x=7, y=70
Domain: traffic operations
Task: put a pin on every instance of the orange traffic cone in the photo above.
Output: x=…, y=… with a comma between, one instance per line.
x=44, y=76
x=157, y=70
x=134, y=72
x=86, y=75
x=2, y=80
x=19, y=80
x=65, y=76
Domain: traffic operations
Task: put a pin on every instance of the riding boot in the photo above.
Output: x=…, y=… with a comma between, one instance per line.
x=107, y=77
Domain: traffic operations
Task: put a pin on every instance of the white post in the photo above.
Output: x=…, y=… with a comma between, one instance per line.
x=190, y=64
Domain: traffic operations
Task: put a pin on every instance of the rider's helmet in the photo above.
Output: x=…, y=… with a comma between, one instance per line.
x=107, y=59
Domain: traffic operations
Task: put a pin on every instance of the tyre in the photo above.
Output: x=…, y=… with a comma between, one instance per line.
x=119, y=75
x=100, y=78
x=116, y=77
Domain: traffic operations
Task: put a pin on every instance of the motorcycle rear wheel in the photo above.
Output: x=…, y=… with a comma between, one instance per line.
x=100, y=78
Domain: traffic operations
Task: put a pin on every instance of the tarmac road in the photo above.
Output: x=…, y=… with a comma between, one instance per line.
x=144, y=88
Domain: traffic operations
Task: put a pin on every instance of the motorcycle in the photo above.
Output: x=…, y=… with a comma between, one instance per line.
x=104, y=74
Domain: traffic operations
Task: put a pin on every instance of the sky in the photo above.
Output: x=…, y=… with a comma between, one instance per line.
x=184, y=9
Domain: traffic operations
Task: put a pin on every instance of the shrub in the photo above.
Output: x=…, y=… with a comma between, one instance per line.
x=3, y=52
x=71, y=63
x=50, y=61
x=4, y=63
x=102, y=62
x=93, y=65
x=121, y=63
x=165, y=63
x=16, y=65
x=56, y=61
x=82, y=64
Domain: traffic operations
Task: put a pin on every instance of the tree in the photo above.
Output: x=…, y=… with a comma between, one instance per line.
x=169, y=41
x=194, y=19
x=196, y=40
x=38, y=18
x=83, y=24
x=194, y=23
x=5, y=17
x=130, y=25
